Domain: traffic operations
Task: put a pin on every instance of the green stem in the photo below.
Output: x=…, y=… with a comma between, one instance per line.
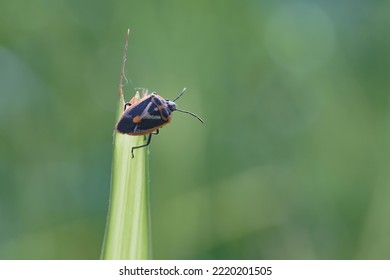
x=127, y=233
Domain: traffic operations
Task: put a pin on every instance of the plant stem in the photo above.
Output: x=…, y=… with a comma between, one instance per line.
x=127, y=230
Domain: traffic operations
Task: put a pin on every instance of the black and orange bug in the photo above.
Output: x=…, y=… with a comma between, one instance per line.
x=146, y=115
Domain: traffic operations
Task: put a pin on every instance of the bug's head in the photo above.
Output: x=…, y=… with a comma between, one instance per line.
x=172, y=105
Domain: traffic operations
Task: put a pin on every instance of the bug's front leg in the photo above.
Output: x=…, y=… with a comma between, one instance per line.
x=125, y=105
x=141, y=146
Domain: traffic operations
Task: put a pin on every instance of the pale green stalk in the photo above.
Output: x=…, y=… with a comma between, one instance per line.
x=127, y=228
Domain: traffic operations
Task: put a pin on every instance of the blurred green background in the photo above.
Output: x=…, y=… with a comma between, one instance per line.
x=293, y=162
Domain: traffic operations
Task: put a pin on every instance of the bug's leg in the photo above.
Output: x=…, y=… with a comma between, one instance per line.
x=141, y=146
x=157, y=131
x=125, y=105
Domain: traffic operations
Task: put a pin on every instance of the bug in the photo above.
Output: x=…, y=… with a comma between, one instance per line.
x=146, y=115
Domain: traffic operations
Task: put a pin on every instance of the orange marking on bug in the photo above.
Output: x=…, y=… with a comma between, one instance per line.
x=137, y=119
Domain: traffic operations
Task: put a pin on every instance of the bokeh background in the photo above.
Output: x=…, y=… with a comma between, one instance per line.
x=293, y=162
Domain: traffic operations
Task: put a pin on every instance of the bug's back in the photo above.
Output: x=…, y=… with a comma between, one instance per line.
x=143, y=117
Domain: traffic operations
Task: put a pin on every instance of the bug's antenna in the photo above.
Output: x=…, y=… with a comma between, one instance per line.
x=192, y=114
x=181, y=93
x=122, y=75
